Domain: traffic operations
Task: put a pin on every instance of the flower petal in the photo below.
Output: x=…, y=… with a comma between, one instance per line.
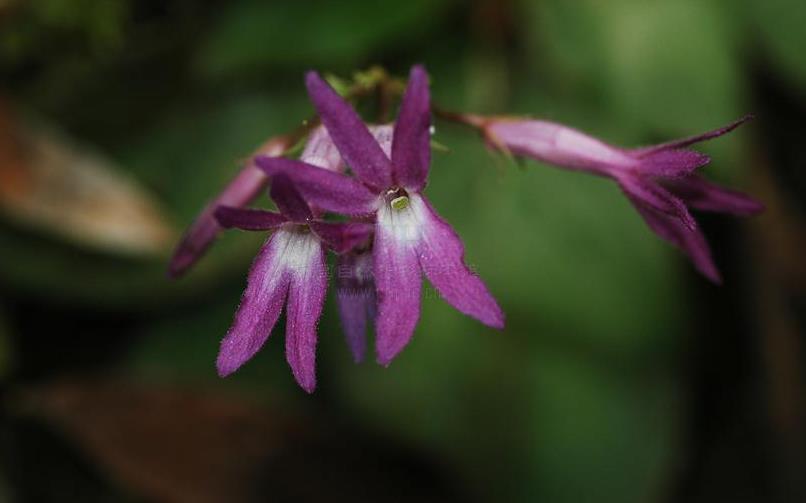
x=653, y=196
x=672, y=163
x=692, y=242
x=703, y=195
x=321, y=151
x=305, y=300
x=411, y=147
x=248, y=219
x=357, y=146
x=342, y=236
x=324, y=189
x=685, y=142
x=289, y=200
x=245, y=187
x=249, y=182
x=260, y=307
x=355, y=293
x=441, y=256
x=398, y=281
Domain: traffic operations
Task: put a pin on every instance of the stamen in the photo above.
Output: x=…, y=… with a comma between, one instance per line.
x=400, y=203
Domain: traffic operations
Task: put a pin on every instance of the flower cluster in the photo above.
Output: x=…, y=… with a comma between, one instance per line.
x=357, y=190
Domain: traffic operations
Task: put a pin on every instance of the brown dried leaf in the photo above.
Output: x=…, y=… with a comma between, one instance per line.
x=49, y=182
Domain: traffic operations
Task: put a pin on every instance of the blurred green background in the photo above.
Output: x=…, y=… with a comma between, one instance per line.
x=622, y=375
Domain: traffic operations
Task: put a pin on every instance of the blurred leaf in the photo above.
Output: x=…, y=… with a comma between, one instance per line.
x=49, y=182
x=256, y=34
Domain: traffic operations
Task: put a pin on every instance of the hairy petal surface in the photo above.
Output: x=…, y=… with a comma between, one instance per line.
x=397, y=278
x=411, y=146
x=653, y=196
x=707, y=196
x=685, y=142
x=672, y=163
x=308, y=278
x=262, y=301
x=357, y=146
x=324, y=189
x=355, y=293
x=289, y=200
x=441, y=256
x=248, y=219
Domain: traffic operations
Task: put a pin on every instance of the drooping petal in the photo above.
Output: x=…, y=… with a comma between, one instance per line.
x=324, y=189
x=245, y=187
x=685, y=142
x=692, y=242
x=355, y=293
x=411, y=147
x=289, y=200
x=248, y=219
x=653, y=196
x=703, y=195
x=441, y=255
x=398, y=282
x=262, y=301
x=306, y=297
x=321, y=151
x=342, y=236
x=357, y=146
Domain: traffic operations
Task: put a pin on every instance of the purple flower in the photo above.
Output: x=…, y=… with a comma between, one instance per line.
x=660, y=180
x=243, y=189
x=410, y=237
x=289, y=270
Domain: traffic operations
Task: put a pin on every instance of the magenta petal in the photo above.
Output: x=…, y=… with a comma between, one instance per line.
x=655, y=197
x=398, y=284
x=321, y=151
x=305, y=300
x=692, y=242
x=672, y=163
x=249, y=182
x=357, y=146
x=248, y=219
x=260, y=307
x=690, y=140
x=342, y=236
x=322, y=188
x=356, y=298
x=289, y=200
x=411, y=146
x=703, y=195
x=383, y=134
x=442, y=259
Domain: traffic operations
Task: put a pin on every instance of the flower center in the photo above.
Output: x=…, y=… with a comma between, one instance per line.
x=397, y=198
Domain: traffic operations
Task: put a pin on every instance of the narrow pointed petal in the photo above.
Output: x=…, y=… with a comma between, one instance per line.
x=355, y=294
x=398, y=281
x=703, y=195
x=672, y=163
x=441, y=255
x=248, y=219
x=691, y=242
x=655, y=197
x=321, y=151
x=685, y=142
x=324, y=189
x=411, y=147
x=262, y=301
x=305, y=300
x=357, y=146
x=289, y=200
x=244, y=188
x=343, y=236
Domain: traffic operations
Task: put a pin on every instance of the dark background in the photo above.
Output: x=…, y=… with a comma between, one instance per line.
x=622, y=375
